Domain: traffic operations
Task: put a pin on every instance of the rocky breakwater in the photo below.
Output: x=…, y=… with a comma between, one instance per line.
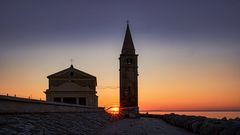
x=79, y=123
x=202, y=125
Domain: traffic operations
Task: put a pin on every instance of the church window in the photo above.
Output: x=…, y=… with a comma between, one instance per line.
x=70, y=100
x=57, y=99
x=126, y=93
x=129, y=61
x=129, y=100
x=82, y=101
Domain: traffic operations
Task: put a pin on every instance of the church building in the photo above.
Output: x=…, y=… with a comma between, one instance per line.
x=128, y=77
x=72, y=86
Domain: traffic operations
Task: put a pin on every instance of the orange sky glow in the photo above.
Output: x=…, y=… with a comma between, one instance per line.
x=169, y=78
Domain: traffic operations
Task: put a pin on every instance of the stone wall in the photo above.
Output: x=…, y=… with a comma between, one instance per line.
x=23, y=116
x=23, y=105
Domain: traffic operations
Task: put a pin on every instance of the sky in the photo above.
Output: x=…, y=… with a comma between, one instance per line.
x=188, y=50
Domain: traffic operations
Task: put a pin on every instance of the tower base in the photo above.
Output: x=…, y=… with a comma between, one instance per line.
x=129, y=112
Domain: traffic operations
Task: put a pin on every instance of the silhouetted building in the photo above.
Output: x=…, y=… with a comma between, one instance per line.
x=72, y=86
x=128, y=76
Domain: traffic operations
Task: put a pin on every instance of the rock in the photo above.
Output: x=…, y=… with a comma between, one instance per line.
x=224, y=118
x=238, y=132
x=229, y=130
x=209, y=128
x=203, y=125
x=196, y=126
x=237, y=118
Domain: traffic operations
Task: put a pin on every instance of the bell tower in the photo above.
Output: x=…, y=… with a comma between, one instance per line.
x=128, y=77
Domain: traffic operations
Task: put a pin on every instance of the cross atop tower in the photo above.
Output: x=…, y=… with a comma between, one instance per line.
x=71, y=60
x=128, y=21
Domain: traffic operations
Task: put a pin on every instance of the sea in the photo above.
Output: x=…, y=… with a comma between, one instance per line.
x=209, y=114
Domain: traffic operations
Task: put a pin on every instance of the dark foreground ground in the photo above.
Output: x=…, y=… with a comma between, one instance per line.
x=142, y=126
x=103, y=124
x=53, y=123
x=83, y=124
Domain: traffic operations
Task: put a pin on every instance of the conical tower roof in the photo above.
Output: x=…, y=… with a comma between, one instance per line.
x=128, y=46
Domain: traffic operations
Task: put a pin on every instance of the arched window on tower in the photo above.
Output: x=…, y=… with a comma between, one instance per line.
x=129, y=61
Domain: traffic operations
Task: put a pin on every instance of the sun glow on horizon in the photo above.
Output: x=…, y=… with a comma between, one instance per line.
x=113, y=110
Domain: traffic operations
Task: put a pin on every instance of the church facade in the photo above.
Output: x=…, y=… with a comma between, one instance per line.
x=128, y=77
x=72, y=86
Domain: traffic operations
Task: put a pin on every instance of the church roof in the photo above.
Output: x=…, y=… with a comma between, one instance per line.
x=69, y=71
x=128, y=46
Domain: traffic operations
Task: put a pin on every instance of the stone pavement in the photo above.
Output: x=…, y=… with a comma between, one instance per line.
x=53, y=123
x=142, y=126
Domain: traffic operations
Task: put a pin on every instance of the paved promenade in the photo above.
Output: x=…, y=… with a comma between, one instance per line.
x=142, y=126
